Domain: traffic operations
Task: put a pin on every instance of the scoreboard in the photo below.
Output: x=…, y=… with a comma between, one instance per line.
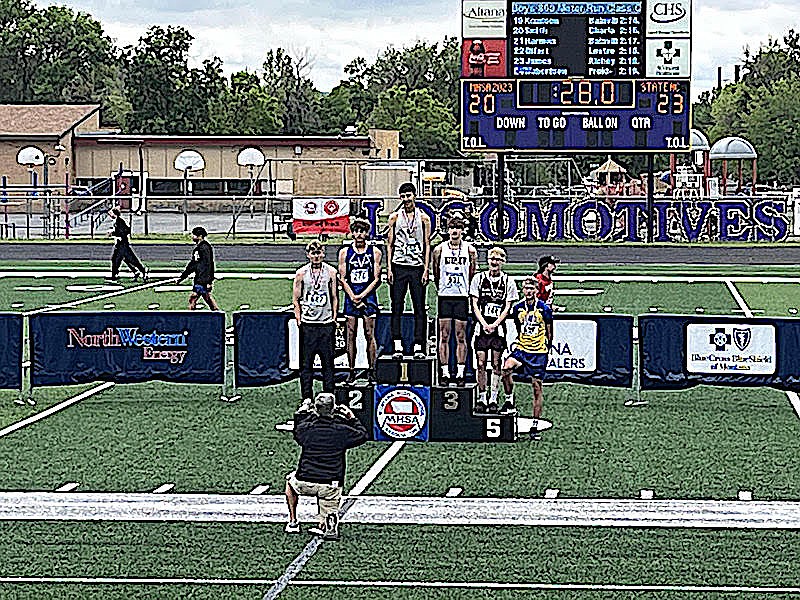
x=575, y=76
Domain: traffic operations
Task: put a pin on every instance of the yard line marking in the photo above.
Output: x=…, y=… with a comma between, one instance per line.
x=745, y=495
x=163, y=488
x=794, y=399
x=646, y=494
x=551, y=493
x=54, y=409
x=68, y=487
x=311, y=548
x=454, y=492
x=739, y=300
x=75, y=303
x=167, y=276
x=258, y=490
x=522, y=585
x=406, y=510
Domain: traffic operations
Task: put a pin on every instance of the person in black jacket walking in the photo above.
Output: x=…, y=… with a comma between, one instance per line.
x=325, y=432
x=202, y=265
x=122, y=248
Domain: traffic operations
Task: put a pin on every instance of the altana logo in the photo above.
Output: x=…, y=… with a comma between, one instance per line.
x=401, y=414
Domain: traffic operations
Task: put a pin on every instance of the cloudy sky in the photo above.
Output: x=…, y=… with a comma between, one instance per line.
x=334, y=32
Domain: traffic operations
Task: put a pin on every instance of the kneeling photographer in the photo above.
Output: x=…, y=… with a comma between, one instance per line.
x=325, y=432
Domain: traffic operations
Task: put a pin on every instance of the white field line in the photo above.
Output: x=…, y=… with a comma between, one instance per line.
x=405, y=510
x=75, y=303
x=54, y=409
x=793, y=397
x=739, y=300
x=311, y=548
x=496, y=585
x=602, y=278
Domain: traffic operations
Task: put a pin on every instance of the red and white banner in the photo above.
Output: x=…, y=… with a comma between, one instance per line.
x=321, y=215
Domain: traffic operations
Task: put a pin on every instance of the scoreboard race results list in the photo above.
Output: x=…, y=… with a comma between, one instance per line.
x=577, y=76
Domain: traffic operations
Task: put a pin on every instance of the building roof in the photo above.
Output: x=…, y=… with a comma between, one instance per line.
x=31, y=120
x=324, y=141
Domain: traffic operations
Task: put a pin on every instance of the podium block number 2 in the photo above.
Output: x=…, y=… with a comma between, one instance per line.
x=355, y=399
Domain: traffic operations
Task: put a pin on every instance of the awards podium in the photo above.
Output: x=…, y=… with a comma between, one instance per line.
x=406, y=404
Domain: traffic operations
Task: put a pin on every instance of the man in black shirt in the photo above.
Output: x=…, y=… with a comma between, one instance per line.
x=202, y=265
x=122, y=248
x=325, y=432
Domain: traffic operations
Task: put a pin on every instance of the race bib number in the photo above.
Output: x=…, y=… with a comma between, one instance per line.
x=530, y=327
x=316, y=299
x=492, y=310
x=359, y=276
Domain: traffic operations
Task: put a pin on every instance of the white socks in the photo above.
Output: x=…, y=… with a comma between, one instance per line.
x=460, y=371
x=496, y=380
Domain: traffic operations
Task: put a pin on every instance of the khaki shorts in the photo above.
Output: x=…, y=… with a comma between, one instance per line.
x=328, y=496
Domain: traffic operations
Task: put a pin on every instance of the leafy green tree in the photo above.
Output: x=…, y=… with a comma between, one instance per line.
x=53, y=55
x=773, y=122
x=423, y=66
x=286, y=79
x=166, y=96
x=245, y=108
x=427, y=126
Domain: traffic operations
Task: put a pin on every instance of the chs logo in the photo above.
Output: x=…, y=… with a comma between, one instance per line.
x=667, y=12
x=401, y=414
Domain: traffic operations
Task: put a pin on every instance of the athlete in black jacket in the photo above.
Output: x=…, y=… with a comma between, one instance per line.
x=202, y=265
x=122, y=248
x=325, y=434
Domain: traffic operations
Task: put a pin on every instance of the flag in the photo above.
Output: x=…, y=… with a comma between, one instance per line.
x=321, y=215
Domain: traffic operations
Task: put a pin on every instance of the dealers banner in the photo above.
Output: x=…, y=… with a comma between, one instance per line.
x=684, y=351
x=127, y=347
x=11, y=356
x=590, y=349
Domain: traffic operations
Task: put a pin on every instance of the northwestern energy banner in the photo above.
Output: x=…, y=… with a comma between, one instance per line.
x=11, y=356
x=127, y=347
x=683, y=351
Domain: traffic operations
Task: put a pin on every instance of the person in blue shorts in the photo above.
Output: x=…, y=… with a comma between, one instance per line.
x=202, y=265
x=534, y=321
x=360, y=274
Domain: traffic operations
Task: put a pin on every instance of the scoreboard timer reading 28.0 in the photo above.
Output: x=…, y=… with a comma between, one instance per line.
x=576, y=76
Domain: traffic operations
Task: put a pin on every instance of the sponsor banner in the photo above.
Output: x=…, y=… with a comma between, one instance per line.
x=668, y=58
x=483, y=58
x=402, y=413
x=127, y=347
x=574, y=346
x=257, y=363
x=483, y=19
x=734, y=348
x=321, y=215
x=11, y=357
x=669, y=18
x=683, y=351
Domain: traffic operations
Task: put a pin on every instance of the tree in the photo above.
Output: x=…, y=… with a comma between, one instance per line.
x=53, y=55
x=165, y=95
x=423, y=66
x=427, y=127
x=245, y=108
x=286, y=79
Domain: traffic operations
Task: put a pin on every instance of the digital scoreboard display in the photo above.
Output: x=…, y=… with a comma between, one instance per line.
x=577, y=76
